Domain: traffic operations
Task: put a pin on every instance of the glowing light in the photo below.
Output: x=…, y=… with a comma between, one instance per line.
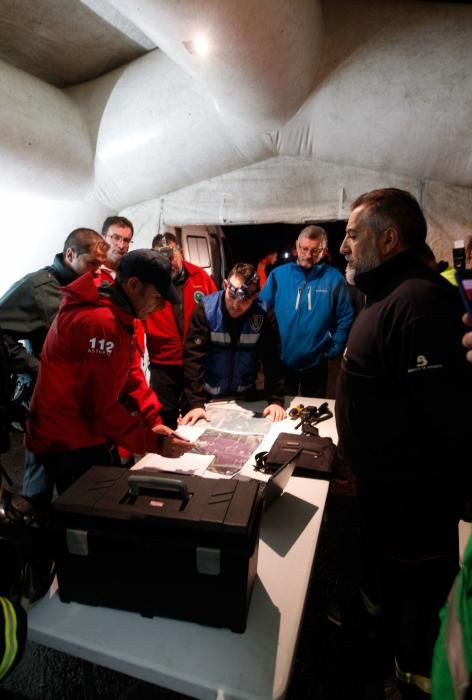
x=199, y=45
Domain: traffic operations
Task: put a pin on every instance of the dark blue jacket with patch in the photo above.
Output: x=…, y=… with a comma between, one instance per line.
x=222, y=355
x=231, y=367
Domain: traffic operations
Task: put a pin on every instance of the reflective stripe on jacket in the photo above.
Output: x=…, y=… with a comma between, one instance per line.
x=8, y=636
x=231, y=367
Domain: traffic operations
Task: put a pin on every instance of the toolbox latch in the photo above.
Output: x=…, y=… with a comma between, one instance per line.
x=208, y=561
x=77, y=542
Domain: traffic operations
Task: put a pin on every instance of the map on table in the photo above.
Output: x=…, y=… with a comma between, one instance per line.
x=229, y=416
x=231, y=450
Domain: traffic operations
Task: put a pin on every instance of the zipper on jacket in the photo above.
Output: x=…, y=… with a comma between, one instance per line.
x=231, y=369
x=309, y=298
x=299, y=295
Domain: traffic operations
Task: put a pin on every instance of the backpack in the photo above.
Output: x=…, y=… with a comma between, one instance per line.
x=27, y=569
x=15, y=390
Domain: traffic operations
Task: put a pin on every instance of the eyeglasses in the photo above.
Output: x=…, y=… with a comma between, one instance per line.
x=120, y=239
x=168, y=250
x=311, y=251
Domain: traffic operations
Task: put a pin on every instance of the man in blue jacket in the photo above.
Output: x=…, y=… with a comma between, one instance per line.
x=313, y=311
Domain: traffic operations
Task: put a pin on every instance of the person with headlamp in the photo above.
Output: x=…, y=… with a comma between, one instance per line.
x=230, y=332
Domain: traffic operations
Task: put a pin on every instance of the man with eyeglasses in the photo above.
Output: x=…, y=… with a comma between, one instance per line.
x=118, y=233
x=313, y=311
x=167, y=328
x=230, y=332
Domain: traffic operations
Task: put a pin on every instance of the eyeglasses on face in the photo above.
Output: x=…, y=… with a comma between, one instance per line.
x=168, y=250
x=120, y=239
x=311, y=251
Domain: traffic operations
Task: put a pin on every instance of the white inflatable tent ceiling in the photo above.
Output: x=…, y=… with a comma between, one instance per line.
x=295, y=108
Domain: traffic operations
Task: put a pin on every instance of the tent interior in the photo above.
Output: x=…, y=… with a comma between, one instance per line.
x=176, y=112
x=228, y=113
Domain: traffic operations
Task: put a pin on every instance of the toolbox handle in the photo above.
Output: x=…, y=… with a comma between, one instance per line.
x=136, y=482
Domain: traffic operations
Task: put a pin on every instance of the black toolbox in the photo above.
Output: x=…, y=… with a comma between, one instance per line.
x=163, y=544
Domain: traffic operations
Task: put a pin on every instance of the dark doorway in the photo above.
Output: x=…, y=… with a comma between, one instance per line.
x=252, y=242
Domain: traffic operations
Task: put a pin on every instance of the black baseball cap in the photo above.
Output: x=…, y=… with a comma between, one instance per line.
x=150, y=266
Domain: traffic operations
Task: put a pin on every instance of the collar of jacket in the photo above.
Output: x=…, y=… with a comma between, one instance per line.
x=181, y=276
x=63, y=273
x=379, y=282
x=192, y=269
x=117, y=296
x=312, y=272
x=87, y=290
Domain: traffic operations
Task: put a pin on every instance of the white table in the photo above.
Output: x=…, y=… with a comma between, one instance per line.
x=205, y=662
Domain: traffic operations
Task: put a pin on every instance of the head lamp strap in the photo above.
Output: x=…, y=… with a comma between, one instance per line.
x=243, y=291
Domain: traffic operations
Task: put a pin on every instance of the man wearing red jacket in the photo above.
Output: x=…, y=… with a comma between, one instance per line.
x=91, y=393
x=167, y=328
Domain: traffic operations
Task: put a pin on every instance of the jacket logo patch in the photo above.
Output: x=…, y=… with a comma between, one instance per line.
x=198, y=296
x=101, y=346
x=256, y=322
x=421, y=361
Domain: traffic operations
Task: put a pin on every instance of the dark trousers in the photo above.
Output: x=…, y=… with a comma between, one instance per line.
x=311, y=382
x=410, y=548
x=167, y=381
x=67, y=467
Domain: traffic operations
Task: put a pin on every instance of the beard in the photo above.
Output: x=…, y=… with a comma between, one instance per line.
x=365, y=263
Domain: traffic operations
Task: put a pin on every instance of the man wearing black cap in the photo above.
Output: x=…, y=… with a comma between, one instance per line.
x=91, y=393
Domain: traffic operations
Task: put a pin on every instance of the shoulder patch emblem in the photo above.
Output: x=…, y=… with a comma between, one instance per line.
x=256, y=322
x=198, y=296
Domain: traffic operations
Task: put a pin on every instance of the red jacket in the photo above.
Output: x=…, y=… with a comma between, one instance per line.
x=105, y=275
x=165, y=345
x=89, y=361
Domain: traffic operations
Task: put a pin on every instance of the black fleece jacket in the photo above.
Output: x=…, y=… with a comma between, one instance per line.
x=405, y=386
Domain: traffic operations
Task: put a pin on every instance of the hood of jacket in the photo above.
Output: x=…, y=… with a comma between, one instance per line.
x=89, y=290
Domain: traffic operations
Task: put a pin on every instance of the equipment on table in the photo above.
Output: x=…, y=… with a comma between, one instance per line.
x=163, y=544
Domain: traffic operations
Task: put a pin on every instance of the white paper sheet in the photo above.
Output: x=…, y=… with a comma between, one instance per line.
x=189, y=463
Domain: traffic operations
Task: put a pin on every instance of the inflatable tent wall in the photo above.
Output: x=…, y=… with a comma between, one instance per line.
x=183, y=112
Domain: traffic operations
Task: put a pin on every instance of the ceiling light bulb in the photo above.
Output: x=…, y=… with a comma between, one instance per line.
x=201, y=45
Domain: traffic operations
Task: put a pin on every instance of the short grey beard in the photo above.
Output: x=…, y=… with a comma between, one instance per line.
x=366, y=264
x=350, y=274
